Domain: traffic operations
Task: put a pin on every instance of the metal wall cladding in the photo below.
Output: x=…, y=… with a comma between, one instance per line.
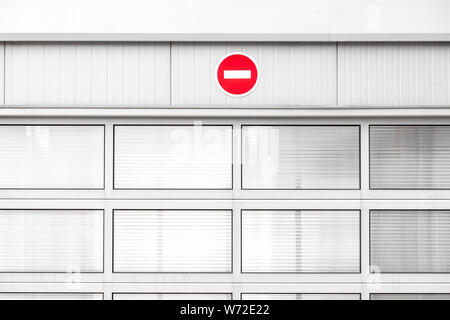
x=300, y=157
x=2, y=73
x=410, y=241
x=87, y=74
x=301, y=241
x=409, y=157
x=171, y=296
x=51, y=241
x=410, y=296
x=290, y=74
x=172, y=241
x=394, y=74
x=300, y=296
x=173, y=157
x=51, y=157
x=50, y=296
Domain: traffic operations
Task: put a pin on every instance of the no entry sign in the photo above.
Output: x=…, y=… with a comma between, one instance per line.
x=237, y=74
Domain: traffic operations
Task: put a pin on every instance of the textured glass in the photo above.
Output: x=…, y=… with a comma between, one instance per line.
x=415, y=241
x=173, y=157
x=171, y=296
x=300, y=241
x=410, y=296
x=172, y=241
x=51, y=157
x=410, y=157
x=300, y=296
x=51, y=296
x=300, y=157
x=51, y=241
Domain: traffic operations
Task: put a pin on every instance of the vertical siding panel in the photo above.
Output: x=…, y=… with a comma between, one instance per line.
x=51, y=74
x=68, y=75
x=147, y=81
x=36, y=73
x=83, y=82
x=131, y=70
x=99, y=74
x=2, y=73
x=398, y=74
x=115, y=73
x=161, y=75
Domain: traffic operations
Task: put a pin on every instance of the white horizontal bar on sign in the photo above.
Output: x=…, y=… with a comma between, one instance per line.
x=237, y=74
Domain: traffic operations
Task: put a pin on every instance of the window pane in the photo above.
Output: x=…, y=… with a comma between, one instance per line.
x=173, y=157
x=51, y=296
x=51, y=241
x=51, y=157
x=171, y=296
x=410, y=241
x=300, y=296
x=172, y=241
x=410, y=296
x=409, y=157
x=300, y=241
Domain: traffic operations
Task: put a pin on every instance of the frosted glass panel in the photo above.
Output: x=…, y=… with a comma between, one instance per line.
x=51, y=241
x=300, y=296
x=51, y=296
x=51, y=157
x=172, y=241
x=173, y=157
x=300, y=241
x=172, y=296
x=410, y=157
x=410, y=296
x=410, y=241
x=300, y=157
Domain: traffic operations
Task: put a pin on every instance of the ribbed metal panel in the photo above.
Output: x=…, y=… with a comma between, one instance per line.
x=171, y=296
x=394, y=74
x=51, y=241
x=2, y=73
x=410, y=157
x=300, y=241
x=51, y=296
x=300, y=296
x=51, y=157
x=410, y=241
x=300, y=157
x=172, y=241
x=410, y=296
x=291, y=73
x=173, y=157
x=87, y=73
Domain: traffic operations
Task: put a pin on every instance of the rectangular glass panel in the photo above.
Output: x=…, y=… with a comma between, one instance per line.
x=410, y=296
x=51, y=296
x=310, y=241
x=300, y=157
x=172, y=241
x=300, y=296
x=171, y=296
x=409, y=157
x=413, y=241
x=51, y=157
x=173, y=157
x=51, y=241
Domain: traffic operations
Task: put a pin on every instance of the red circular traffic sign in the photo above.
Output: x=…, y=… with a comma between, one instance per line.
x=237, y=74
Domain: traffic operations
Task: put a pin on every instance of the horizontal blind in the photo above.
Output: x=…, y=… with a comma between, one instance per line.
x=300, y=296
x=171, y=296
x=51, y=296
x=410, y=157
x=51, y=157
x=410, y=241
x=51, y=241
x=173, y=157
x=300, y=157
x=410, y=296
x=172, y=241
x=300, y=241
